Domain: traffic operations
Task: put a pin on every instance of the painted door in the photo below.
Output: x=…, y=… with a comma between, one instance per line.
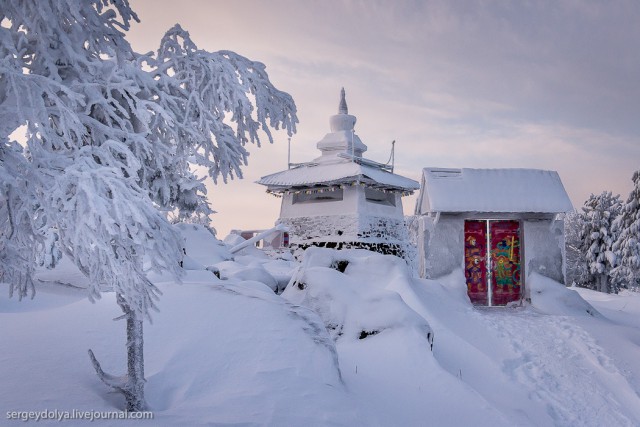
x=475, y=261
x=492, y=261
x=505, y=261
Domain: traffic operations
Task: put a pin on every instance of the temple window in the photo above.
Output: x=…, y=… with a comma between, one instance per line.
x=378, y=196
x=318, y=196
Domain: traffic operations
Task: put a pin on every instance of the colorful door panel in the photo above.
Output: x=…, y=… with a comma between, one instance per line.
x=505, y=261
x=497, y=283
x=475, y=261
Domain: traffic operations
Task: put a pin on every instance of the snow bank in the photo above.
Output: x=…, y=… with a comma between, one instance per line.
x=273, y=273
x=203, y=251
x=346, y=288
x=253, y=359
x=232, y=270
x=392, y=373
x=201, y=246
x=218, y=352
x=235, y=239
x=232, y=352
x=623, y=307
x=551, y=297
x=558, y=365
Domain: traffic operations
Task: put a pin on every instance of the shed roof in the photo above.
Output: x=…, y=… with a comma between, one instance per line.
x=491, y=190
x=334, y=173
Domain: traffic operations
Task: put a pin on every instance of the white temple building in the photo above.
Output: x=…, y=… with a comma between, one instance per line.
x=340, y=199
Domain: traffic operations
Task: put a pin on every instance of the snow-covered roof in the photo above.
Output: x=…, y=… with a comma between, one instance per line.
x=335, y=173
x=341, y=162
x=491, y=190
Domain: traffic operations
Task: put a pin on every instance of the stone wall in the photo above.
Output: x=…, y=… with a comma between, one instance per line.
x=321, y=228
x=379, y=234
x=397, y=249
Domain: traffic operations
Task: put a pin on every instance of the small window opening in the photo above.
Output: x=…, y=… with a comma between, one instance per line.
x=318, y=195
x=374, y=195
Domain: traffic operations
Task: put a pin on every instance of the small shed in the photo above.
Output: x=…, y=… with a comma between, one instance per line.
x=341, y=199
x=497, y=225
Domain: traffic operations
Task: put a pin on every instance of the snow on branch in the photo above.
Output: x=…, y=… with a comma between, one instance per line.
x=214, y=86
x=112, y=140
x=109, y=227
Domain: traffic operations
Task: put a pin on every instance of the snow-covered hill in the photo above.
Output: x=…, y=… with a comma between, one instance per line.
x=349, y=342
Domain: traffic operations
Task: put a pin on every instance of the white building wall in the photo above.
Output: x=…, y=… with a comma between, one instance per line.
x=441, y=246
x=353, y=221
x=353, y=202
x=544, y=248
x=376, y=209
x=347, y=206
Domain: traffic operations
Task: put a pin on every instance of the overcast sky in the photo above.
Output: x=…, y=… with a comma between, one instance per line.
x=526, y=84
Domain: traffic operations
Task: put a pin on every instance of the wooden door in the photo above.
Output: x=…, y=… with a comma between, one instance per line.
x=475, y=261
x=492, y=261
x=505, y=261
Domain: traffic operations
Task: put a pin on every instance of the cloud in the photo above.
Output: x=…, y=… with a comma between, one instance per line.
x=545, y=84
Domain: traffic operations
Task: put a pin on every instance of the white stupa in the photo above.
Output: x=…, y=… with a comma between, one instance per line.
x=340, y=199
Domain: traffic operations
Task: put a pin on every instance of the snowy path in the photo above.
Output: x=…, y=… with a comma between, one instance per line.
x=570, y=375
x=537, y=369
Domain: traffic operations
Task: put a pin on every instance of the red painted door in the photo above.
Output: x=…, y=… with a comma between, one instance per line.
x=503, y=246
x=475, y=261
x=505, y=262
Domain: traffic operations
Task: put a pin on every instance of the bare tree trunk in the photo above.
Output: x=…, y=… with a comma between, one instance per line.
x=135, y=359
x=132, y=385
x=604, y=284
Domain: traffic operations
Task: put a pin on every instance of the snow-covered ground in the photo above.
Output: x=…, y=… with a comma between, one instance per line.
x=368, y=345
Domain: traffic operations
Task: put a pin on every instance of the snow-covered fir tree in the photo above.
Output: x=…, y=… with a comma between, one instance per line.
x=111, y=140
x=577, y=268
x=627, y=244
x=596, y=239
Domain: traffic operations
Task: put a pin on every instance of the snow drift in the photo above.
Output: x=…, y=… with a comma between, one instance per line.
x=232, y=351
x=346, y=290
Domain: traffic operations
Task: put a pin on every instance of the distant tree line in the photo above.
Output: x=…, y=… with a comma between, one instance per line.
x=603, y=242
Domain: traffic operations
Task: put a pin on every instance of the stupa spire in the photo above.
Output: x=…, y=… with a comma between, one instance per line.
x=342, y=138
x=342, y=108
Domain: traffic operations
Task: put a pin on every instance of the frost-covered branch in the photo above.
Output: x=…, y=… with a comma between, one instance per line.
x=112, y=139
x=594, y=240
x=205, y=89
x=627, y=243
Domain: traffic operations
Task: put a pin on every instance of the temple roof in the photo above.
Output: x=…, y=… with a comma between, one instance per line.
x=336, y=173
x=341, y=162
x=492, y=190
